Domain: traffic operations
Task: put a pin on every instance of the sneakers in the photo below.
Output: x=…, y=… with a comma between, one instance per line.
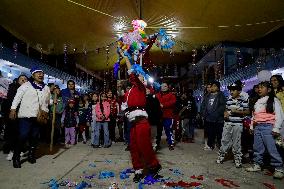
x=10, y=156
x=127, y=148
x=219, y=160
x=207, y=148
x=238, y=163
x=138, y=176
x=278, y=174
x=156, y=147
x=255, y=168
x=171, y=147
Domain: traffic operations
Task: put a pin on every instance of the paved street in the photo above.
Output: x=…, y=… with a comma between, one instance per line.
x=83, y=161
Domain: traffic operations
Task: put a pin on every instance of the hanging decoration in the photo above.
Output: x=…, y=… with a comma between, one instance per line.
x=15, y=48
x=239, y=58
x=194, y=53
x=65, y=53
x=107, y=54
x=116, y=66
x=136, y=45
x=164, y=41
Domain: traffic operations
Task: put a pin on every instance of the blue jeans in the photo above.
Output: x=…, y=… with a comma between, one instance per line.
x=93, y=128
x=168, y=126
x=263, y=139
x=188, y=126
x=28, y=130
x=98, y=127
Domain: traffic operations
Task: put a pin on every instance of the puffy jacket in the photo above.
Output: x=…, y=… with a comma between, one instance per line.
x=168, y=100
x=106, y=112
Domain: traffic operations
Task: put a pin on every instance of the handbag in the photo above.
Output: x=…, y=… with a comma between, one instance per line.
x=42, y=116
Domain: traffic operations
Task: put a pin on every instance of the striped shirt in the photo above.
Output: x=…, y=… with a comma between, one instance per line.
x=239, y=104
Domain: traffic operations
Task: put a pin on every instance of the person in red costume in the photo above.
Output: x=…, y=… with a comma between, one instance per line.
x=141, y=150
x=167, y=103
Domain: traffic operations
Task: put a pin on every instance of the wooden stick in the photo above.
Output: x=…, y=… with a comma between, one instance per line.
x=53, y=123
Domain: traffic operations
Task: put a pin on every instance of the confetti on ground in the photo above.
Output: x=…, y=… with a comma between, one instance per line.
x=269, y=185
x=68, y=183
x=200, y=177
x=183, y=184
x=149, y=180
x=53, y=184
x=226, y=183
x=83, y=185
x=126, y=173
x=89, y=176
x=176, y=172
x=106, y=174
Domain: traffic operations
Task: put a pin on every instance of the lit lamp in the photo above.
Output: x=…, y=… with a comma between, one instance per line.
x=10, y=74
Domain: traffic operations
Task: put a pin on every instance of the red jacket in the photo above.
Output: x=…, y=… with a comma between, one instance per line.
x=113, y=107
x=137, y=95
x=168, y=100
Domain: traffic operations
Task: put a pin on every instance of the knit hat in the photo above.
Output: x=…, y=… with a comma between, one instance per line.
x=35, y=69
x=71, y=101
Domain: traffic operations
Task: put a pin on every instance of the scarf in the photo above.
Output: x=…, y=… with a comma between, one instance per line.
x=38, y=86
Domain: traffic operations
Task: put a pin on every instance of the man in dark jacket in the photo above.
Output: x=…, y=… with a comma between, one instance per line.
x=187, y=115
x=153, y=108
x=212, y=109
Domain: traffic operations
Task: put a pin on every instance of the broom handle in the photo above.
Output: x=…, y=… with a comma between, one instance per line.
x=53, y=123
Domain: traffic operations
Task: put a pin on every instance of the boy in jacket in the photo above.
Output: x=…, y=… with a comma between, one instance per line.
x=212, y=109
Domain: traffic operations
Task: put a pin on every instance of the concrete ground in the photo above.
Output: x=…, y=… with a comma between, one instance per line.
x=81, y=160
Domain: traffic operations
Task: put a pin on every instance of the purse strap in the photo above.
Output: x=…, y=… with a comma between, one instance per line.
x=38, y=100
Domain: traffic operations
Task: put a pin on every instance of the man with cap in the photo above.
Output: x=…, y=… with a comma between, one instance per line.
x=212, y=109
x=236, y=109
x=30, y=98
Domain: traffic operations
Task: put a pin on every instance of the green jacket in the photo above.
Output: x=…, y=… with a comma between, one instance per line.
x=59, y=105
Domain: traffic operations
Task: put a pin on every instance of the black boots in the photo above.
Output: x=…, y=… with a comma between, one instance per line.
x=31, y=155
x=137, y=177
x=16, y=160
x=154, y=171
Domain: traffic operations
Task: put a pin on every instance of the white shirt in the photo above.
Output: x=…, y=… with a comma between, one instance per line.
x=29, y=100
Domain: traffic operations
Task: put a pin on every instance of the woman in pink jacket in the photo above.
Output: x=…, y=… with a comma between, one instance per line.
x=102, y=119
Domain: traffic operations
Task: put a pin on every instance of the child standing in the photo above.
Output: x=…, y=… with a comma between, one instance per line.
x=95, y=100
x=102, y=120
x=70, y=121
x=213, y=108
x=83, y=120
x=236, y=109
x=267, y=118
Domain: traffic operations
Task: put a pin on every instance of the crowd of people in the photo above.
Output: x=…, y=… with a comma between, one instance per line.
x=248, y=123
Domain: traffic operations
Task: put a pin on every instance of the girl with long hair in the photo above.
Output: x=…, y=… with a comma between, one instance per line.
x=267, y=121
x=102, y=110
